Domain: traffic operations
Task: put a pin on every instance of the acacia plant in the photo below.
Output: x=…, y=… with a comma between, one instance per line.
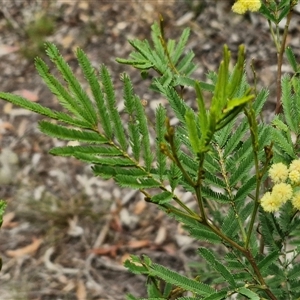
x=220, y=150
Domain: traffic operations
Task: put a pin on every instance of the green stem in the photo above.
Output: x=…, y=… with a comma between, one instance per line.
x=280, y=61
x=198, y=189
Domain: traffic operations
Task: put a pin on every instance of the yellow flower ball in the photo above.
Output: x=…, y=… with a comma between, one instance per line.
x=241, y=6
x=294, y=176
x=278, y=172
x=282, y=191
x=296, y=200
x=295, y=165
x=270, y=203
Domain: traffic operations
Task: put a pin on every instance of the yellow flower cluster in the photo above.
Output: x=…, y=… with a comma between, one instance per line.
x=241, y=6
x=284, y=179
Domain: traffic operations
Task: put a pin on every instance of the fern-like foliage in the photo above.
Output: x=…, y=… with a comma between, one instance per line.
x=212, y=152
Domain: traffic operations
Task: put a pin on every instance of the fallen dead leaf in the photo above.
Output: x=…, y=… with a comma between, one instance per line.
x=140, y=207
x=6, y=49
x=170, y=249
x=30, y=249
x=69, y=286
x=7, y=108
x=7, y=126
x=81, y=290
x=23, y=126
x=7, y=220
x=161, y=235
x=67, y=41
x=108, y=250
x=138, y=244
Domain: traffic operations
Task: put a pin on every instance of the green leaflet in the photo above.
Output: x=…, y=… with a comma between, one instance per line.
x=70, y=134
x=62, y=94
x=72, y=150
x=91, y=76
x=144, y=132
x=217, y=265
x=136, y=183
x=185, y=66
x=216, y=196
x=162, y=198
x=249, y=294
x=245, y=189
x=191, y=124
x=217, y=296
x=267, y=261
x=84, y=105
x=164, y=57
x=114, y=116
x=2, y=210
x=289, y=103
x=203, y=119
x=160, y=119
x=134, y=130
x=230, y=224
x=268, y=230
x=176, y=102
x=294, y=272
x=292, y=59
x=201, y=233
x=107, y=171
x=179, y=280
x=177, y=53
x=111, y=161
x=37, y=108
x=282, y=142
x=135, y=266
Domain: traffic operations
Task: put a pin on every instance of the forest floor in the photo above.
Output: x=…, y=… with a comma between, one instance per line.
x=66, y=233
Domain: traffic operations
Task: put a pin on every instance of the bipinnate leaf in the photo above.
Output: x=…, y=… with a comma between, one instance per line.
x=167, y=58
